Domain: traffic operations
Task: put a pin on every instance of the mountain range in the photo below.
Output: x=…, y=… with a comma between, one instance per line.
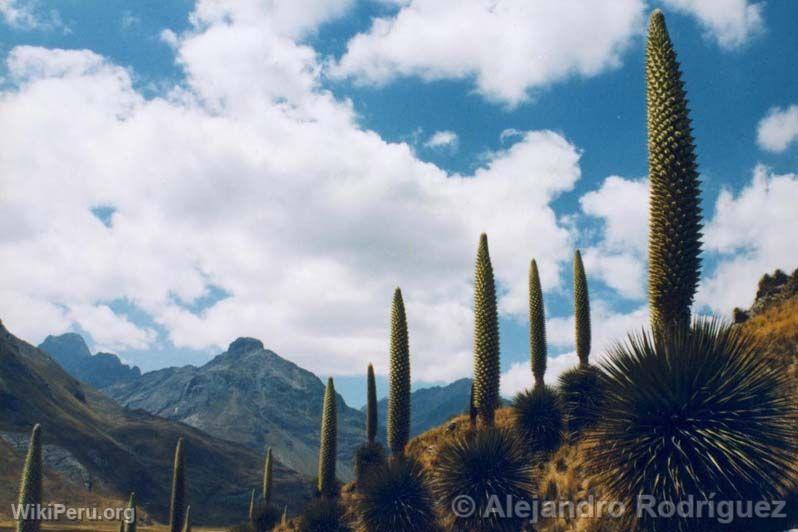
x=100, y=370
x=96, y=449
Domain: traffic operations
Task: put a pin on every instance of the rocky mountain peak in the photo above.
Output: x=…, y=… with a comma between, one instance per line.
x=244, y=345
x=69, y=346
x=771, y=290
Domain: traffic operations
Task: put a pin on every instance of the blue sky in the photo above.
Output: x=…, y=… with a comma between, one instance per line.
x=153, y=94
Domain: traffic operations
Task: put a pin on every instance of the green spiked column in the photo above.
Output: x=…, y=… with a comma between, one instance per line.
x=486, y=337
x=674, y=238
x=267, y=477
x=187, y=522
x=251, y=512
x=472, y=409
x=177, y=504
x=581, y=311
x=30, y=488
x=131, y=526
x=399, y=397
x=371, y=406
x=328, y=446
x=537, y=326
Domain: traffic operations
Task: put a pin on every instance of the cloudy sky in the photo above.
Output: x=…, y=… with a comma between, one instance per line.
x=174, y=175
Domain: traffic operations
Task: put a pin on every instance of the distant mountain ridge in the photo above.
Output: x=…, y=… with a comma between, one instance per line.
x=429, y=407
x=249, y=395
x=97, y=450
x=100, y=370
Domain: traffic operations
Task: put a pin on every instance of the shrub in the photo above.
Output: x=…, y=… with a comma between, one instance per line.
x=538, y=419
x=580, y=397
x=396, y=498
x=323, y=515
x=368, y=457
x=488, y=466
x=700, y=411
x=265, y=516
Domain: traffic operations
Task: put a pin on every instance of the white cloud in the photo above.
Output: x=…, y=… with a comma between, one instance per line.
x=213, y=184
x=618, y=258
x=443, y=140
x=28, y=15
x=509, y=47
x=731, y=23
x=778, y=129
x=753, y=233
x=110, y=331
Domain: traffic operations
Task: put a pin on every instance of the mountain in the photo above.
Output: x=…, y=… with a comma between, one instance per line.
x=429, y=407
x=96, y=449
x=100, y=370
x=252, y=396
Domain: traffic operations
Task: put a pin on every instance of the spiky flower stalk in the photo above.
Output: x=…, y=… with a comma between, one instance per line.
x=486, y=337
x=371, y=406
x=30, y=488
x=177, y=503
x=328, y=445
x=472, y=409
x=130, y=524
x=251, y=512
x=284, y=518
x=581, y=311
x=674, y=243
x=537, y=326
x=399, y=398
x=267, y=477
x=187, y=522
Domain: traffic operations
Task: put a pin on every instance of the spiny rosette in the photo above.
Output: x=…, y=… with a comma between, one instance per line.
x=580, y=397
x=700, y=413
x=483, y=468
x=538, y=419
x=396, y=497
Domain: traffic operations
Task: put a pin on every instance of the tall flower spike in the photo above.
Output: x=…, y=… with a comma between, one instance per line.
x=674, y=244
x=328, y=445
x=130, y=526
x=486, y=337
x=399, y=398
x=371, y=406
x=267, y=477
x=581, y=311
x=30, y=489
x=177, y=503
x=537, y=326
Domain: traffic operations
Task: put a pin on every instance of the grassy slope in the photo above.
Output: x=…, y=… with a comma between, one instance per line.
x=562, y=478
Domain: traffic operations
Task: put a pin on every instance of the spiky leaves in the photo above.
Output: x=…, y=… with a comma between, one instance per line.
x=396, y=498
x=690, y=414
x=371, y=406
x=177, y=503
x=580, y=396
x=130, y=519
x=537, y=326
x=581, y=311
x=329, y=443
x=267, y=477
x=674, y=243
x=30, y=486
x=487, y=466
x=538, y=419
x=399, y=397
x=486, y=337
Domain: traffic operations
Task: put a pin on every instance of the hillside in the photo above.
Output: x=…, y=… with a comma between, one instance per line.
x=252, y=396
x=102, y=450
